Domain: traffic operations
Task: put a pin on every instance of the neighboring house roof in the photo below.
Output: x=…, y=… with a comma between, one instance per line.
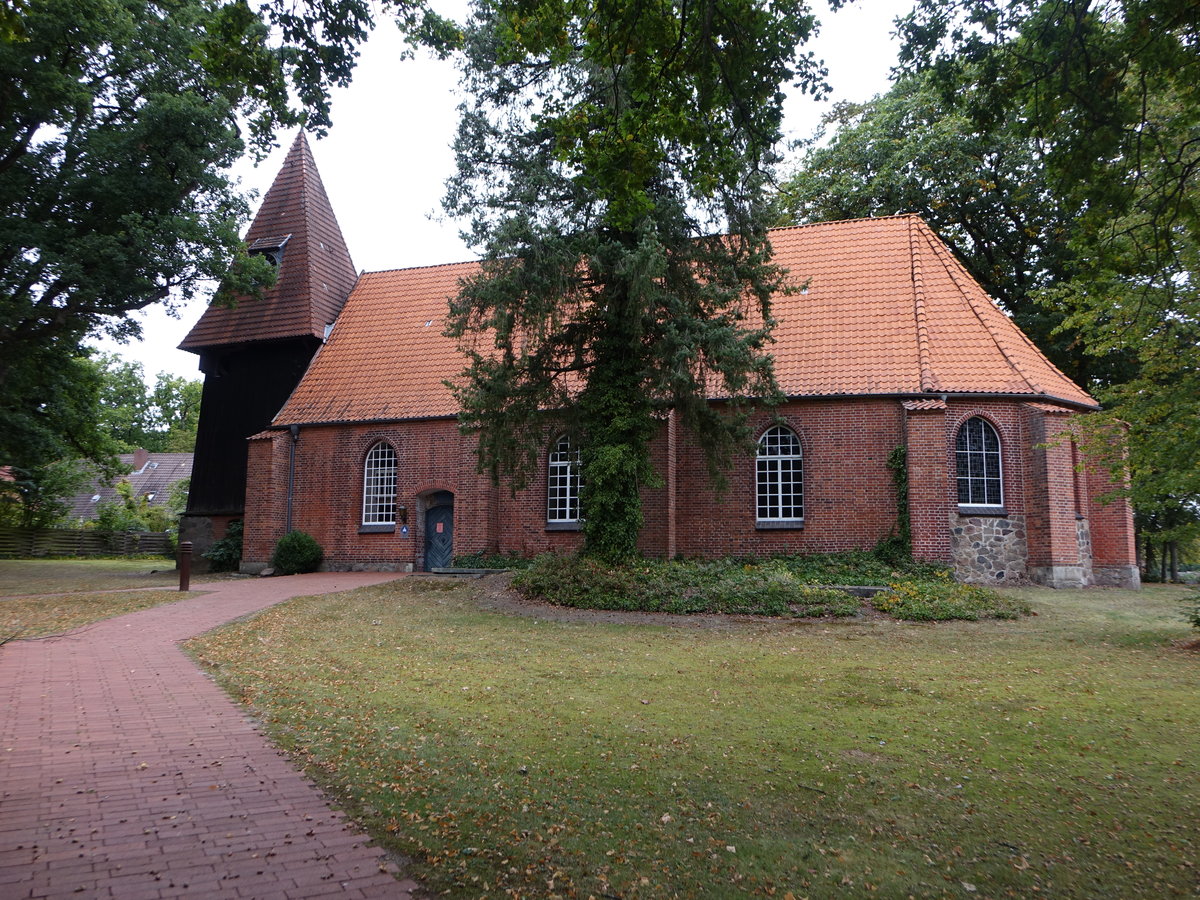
x=296, y=226
x=887, y=310
x=156, y=474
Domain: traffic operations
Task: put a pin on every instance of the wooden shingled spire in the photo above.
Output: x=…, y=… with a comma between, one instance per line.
x=297, y=229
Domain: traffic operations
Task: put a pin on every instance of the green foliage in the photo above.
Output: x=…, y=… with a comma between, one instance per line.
x=295, y=553
x=120, y=120
x=134, y=513
x=40, y=497
x=600, y=149
x=162, y=418
x=1193, y=614
x=226, y=554
x=722, y=586
x=943, y=600
x=781, y=586
x=48, y=412
x=896, y=548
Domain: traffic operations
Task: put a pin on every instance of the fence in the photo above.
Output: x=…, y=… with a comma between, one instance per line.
x=22, y=542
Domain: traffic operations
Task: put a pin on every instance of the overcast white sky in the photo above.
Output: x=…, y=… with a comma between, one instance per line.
x=388, y=154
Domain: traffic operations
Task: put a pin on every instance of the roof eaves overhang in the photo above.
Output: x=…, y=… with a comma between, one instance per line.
x=955, y=395
x=326, y=423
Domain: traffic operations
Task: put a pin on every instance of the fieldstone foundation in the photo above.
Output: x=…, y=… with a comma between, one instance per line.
x=989, y=549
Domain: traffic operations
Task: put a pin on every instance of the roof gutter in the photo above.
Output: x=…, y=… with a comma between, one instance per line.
x=910, y=395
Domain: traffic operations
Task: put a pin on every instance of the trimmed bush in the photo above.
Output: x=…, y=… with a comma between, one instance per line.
x=702, y=586
x=225, y=554
x=296, y=553
x=781, y=586
x=943, y=600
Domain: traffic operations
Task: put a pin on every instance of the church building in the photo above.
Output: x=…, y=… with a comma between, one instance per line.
x=326, y=410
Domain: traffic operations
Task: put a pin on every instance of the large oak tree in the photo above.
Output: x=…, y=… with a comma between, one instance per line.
x=118, y=121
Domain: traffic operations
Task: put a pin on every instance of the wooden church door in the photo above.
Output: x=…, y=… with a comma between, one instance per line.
x=439, y=532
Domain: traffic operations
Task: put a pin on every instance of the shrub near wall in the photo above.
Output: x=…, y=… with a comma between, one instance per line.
x=296, y=553
x=785, y=586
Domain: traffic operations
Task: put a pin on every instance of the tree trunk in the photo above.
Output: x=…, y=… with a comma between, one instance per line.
x=1162, y=562
x=1175, y=562
x=1148, y=560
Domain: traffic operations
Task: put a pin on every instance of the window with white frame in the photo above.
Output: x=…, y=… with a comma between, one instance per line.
x=563, y=481
x=379, y=485
x=977, y=460
x=780, y=476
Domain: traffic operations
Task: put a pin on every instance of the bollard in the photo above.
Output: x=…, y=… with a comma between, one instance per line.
x=185, y=565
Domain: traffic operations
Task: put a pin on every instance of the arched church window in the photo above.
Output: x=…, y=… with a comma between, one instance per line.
x=379, y=485
x=977, y=461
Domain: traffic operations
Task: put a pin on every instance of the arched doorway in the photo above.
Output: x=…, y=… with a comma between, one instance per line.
x=439, y=530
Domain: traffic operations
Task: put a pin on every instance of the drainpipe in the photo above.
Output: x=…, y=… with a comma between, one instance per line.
x=294, y=430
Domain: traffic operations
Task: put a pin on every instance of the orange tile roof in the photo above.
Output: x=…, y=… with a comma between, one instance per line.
x=315, y=276
x=887, y=310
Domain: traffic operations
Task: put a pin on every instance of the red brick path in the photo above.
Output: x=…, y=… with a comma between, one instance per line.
x=126, y=773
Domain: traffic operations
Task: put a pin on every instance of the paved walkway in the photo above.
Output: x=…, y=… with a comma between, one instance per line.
x=126, y=773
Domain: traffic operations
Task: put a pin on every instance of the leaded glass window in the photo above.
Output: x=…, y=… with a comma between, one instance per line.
x=563, y=481
x=977, y=459
x=379, y=486
x=780, y=476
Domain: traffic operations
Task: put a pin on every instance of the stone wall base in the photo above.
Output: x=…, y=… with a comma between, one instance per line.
x=988, y=549
x=1118, y=576
x=203, y=532
x=1059, y=576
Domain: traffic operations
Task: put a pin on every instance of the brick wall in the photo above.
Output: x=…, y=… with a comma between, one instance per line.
x=849, y=495
x=930, y=488
x=1114, y=552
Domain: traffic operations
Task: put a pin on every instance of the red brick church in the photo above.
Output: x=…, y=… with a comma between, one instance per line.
x=325, y=410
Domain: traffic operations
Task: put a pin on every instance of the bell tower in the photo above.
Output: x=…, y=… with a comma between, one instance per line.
x=252, y=354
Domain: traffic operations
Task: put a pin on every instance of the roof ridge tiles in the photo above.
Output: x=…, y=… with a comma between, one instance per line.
x=954, y=270
x=447, y=265
x=779, y=229
x=891, y=217
x=928, y=379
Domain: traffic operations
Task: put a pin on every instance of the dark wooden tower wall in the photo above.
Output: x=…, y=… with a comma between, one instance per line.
x=243, y=390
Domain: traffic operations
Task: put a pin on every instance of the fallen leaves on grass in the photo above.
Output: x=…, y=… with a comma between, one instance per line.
x=35, y=617
x=514, y=757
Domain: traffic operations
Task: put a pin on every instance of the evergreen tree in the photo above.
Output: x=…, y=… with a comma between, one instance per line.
x=612, y=160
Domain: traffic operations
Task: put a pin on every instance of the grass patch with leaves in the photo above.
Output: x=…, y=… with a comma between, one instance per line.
x=31, y=617
x=942, y=600
x=509, y=755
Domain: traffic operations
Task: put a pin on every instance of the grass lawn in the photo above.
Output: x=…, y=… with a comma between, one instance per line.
x=30, y=617
x=54, y=576
x=74, y=582
x=510, y=755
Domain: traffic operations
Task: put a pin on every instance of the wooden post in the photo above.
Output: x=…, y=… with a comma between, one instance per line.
x=185, y=565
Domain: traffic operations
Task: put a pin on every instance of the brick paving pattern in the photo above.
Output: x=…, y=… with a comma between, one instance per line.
x=126, y=773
